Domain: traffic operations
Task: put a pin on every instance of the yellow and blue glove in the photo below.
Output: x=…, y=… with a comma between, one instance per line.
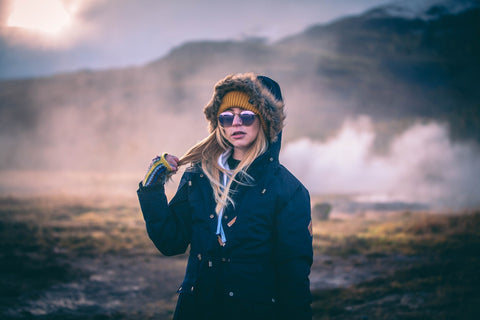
x=158, y=172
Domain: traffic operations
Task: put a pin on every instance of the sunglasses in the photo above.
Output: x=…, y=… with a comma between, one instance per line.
x=246, y=118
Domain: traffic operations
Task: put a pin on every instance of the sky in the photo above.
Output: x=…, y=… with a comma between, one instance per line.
x=50, y=36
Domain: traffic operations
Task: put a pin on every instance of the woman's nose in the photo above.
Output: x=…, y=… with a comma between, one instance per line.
x=236, y=120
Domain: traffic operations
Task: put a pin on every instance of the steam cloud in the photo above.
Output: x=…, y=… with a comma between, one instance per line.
x=422, y=165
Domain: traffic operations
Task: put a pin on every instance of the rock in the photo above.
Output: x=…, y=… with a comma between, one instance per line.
x=321, y=211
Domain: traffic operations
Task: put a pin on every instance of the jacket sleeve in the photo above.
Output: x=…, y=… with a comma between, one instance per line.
x=168, y=224
x=294, y=256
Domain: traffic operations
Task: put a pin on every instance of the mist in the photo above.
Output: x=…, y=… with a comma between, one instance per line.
x=348, y=90
x=421, y=165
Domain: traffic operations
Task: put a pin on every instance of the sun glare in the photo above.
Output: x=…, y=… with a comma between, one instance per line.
x=46, y=16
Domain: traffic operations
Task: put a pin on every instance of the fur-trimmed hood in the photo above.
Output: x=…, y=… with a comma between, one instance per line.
x=265, y=95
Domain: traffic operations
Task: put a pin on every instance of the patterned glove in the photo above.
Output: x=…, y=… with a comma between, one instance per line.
x=158, y=172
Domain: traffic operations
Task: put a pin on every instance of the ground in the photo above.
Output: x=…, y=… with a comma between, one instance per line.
x=70, y=258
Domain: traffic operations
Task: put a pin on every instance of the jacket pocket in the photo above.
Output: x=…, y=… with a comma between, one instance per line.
x=186, y=305
x=252, y=282
x=240, y=308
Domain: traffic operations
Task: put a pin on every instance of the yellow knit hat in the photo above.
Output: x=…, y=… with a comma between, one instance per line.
x=239, y=99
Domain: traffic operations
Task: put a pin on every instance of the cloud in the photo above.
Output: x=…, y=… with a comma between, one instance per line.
x=422, y=166
x=24, y=26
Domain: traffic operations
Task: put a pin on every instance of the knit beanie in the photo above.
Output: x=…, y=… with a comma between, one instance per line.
x=259, y=94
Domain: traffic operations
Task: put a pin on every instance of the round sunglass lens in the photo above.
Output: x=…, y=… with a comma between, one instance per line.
x=247, y=120
x=225, y=120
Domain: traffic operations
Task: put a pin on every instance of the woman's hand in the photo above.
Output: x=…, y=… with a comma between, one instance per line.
x=172, y=161
x=160, y=169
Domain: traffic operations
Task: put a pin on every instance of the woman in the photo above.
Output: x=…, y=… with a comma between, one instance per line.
x=244, y=215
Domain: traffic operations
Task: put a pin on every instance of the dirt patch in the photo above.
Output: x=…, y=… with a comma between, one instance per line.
x=331, y=272
x=144, y=287
x=112, y=286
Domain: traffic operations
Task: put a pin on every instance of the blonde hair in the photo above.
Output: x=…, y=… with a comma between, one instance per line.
x=207, y=153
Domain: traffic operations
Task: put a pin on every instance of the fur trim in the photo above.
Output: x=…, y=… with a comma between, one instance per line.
x=270, y=109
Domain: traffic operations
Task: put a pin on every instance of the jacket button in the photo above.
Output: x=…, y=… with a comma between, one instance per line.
x=271, y=159
x=273, y=300
x=211, y=216
x=225, y=217
x=199, y=257
x=201, y=175
x=230, y=293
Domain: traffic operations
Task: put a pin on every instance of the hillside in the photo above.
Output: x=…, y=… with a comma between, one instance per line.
x=395, y=69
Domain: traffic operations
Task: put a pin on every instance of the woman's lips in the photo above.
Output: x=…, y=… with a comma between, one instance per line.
x=238, y=134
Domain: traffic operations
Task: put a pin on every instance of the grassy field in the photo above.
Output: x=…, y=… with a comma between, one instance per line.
x=65, y=258
x=442, y=280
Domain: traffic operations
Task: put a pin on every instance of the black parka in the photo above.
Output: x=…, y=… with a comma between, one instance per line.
x=262, y=270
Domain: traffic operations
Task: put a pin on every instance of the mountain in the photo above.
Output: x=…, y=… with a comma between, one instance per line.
x=399, y=66
x=395, y=68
